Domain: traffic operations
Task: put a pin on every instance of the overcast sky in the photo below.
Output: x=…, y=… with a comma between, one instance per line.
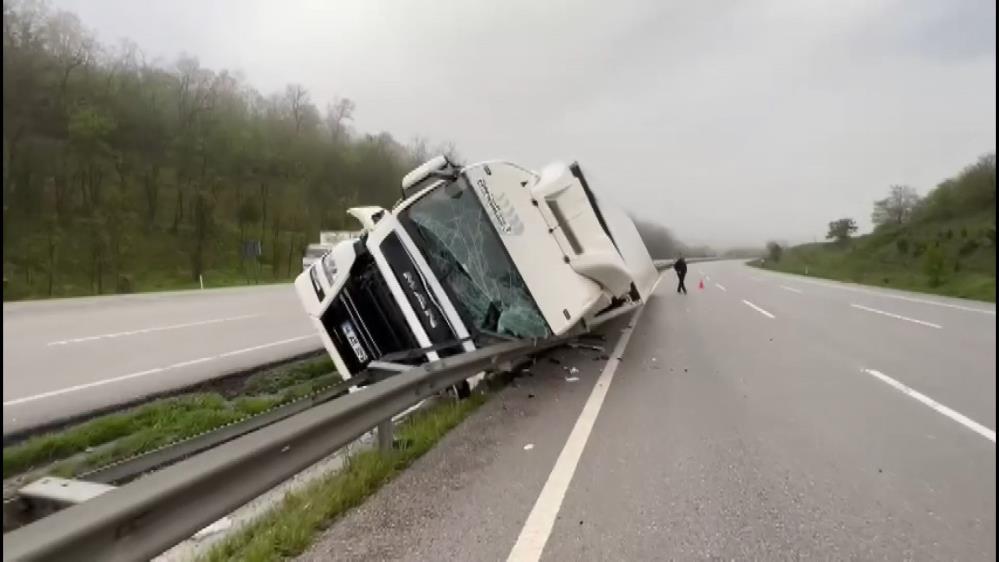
x=729, y=122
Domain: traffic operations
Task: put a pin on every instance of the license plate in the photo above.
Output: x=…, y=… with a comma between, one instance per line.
x=354, y=341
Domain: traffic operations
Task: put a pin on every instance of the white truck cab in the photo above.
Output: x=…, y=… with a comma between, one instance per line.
x=491, y=250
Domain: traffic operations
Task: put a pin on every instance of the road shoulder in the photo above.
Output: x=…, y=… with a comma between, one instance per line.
x=468, y=497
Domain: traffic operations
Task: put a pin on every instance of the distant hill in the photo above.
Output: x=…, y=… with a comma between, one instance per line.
x=946, y=245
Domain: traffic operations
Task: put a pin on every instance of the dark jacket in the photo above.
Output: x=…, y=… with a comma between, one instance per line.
x=680, y=266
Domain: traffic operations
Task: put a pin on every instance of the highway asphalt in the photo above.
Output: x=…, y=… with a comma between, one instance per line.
x=764, y=417
x=65, y=357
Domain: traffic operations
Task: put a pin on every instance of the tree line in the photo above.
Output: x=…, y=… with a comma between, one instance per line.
x=662, y=244
x=971, y=191
x=116, y=166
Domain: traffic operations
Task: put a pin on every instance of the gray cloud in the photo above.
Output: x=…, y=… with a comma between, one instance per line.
x=731, y=122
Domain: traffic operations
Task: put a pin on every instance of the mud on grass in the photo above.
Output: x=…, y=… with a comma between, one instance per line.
x=117, y=436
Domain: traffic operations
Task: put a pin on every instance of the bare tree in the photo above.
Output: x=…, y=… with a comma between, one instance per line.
x=196, y=96
x=71, y=44
x=897, y=207
x=297, y=98
x=449, y=150
x=338, y=115
x=419, y=147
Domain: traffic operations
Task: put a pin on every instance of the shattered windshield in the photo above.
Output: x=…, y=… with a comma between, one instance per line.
x=462, y=247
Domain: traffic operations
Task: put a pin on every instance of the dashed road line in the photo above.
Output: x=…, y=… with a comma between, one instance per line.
x=897, y=316
x=960, y=418
x=758, y=309
x=149, y=330
x=148, y=372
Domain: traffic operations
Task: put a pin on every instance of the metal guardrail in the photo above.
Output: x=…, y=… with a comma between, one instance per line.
x=148, y=516
x=136, y=466
x=19, y=511
x=59, y=423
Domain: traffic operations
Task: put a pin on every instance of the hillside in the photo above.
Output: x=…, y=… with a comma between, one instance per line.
x=122, y=175
x=945, y=246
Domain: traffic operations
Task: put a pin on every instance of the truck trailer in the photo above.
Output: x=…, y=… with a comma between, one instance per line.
x=471, y=255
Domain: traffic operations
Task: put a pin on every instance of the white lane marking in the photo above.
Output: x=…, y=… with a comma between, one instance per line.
x=153, y=329
x=265, y=346
x=792, y=289
x=103, y=382
x=896, y=316
x=758, y=309
x=720, y=286
x=960, y=418
x=538, y=527
x=192, y=362
x=847, y=287
x=80, y=387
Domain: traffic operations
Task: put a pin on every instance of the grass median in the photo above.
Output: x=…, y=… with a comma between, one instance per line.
x=288, y=529
x=117, y=436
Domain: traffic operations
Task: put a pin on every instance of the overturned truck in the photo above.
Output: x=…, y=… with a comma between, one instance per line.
x=472, y=255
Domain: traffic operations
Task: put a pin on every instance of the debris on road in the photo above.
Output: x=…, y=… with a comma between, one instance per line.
x=571, y=379
x=529, y=446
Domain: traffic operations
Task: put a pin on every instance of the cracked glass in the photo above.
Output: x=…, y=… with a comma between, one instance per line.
x=463, y=249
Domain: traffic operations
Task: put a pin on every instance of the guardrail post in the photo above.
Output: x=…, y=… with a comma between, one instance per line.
x=385, y=438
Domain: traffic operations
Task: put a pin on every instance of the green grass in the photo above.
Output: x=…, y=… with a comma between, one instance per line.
x=173, y=420
x=154, y=259
x=288, y=529
x=269, y=384
x=146, y=424
x=150, y=426
x=899, y=258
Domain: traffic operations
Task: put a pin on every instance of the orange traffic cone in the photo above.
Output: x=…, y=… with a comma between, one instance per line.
x=701, y=284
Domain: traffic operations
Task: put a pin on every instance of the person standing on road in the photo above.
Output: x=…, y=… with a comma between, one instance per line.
x=680, y=265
